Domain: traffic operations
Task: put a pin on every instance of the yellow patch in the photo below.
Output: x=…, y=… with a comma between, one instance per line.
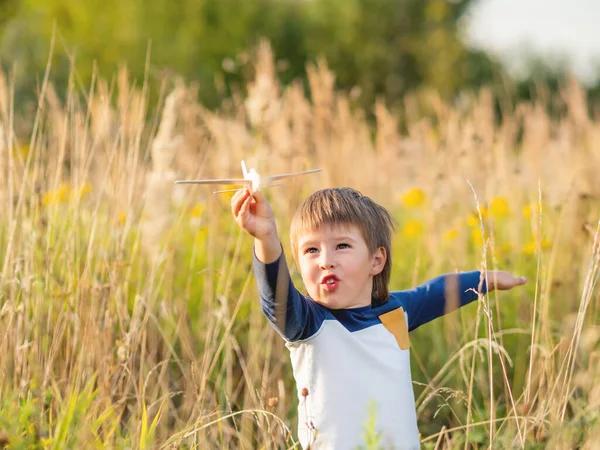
x=395, y=322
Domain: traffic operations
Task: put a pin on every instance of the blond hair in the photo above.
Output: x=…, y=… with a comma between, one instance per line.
x=347, y=206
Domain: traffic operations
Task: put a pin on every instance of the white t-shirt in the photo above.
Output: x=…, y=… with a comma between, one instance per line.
x=352, y=366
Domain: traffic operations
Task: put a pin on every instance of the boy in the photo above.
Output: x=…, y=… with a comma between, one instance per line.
x=348, y=339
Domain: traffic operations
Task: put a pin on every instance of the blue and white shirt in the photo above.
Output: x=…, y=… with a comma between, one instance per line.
x=350, y=363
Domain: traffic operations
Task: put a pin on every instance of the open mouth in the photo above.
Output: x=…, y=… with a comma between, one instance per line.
x=330, y=282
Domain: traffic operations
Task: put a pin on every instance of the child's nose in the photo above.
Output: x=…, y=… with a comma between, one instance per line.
x=326, y=261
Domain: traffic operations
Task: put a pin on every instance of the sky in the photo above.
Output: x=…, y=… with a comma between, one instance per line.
x=511, y=28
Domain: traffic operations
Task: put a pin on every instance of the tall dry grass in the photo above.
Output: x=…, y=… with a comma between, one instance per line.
x=128, y=312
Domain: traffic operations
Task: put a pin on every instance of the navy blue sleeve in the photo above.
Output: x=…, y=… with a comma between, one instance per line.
x=294, y=316
x=440, y=296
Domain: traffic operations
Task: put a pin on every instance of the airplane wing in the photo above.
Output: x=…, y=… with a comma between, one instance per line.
x=292, y=174
x=239, y=181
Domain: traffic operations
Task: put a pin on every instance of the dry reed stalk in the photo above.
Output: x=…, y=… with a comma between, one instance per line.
x=157, y=209
x=262, y=102
x=4, y=144
x=592, y=277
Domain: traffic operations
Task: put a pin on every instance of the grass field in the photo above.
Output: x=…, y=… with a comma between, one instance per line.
x=129, y=317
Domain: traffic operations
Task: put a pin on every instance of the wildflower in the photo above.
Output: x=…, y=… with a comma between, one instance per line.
x=84, y=189
x=228, y=192
x=57, y=196
x=65, y=193
x=412, y=229
x=22, y=150
x=450, y=235
x=473, y=218
x=530, y=209
x=121, y=217
x=201, y=235
x=413, y=198
x=499, y=207
x=198, y=210
x=477, y=238
x=531, y=247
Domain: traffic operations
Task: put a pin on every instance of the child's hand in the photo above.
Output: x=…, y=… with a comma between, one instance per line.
x=502, y=280
x=253, y=214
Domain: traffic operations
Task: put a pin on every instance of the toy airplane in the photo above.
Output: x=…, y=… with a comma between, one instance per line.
x=251, y=178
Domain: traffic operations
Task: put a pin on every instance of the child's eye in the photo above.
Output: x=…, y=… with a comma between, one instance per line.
x=311, y=250
x=341, y=246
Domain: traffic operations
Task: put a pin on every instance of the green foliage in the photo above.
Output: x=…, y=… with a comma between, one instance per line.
x=384, y=47
x=377, y=48
x=18, y=421
x=371, y=437
x=148, y=432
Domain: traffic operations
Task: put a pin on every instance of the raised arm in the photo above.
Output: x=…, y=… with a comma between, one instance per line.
x=292, y=315
x=254, y=215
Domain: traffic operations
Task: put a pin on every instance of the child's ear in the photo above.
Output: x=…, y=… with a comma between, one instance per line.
x=379, y=259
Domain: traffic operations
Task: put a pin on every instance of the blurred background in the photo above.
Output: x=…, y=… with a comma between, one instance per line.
x=375, y=48
x=128, y=312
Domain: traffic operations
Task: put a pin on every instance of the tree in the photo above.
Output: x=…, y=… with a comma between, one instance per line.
x=383, y=47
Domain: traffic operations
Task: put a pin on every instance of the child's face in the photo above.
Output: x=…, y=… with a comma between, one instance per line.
x=337, y=267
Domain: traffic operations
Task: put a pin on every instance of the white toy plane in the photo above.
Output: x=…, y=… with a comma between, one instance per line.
x=251, y=178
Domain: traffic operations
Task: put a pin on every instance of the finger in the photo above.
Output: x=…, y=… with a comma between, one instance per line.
x=258, y=195
x=234, y=201
x=237, y=194
x=245, y=208
x=259, y=198
x=261, y=204
x=237, y=202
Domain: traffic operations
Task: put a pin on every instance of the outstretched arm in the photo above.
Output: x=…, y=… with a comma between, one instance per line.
x=447, y=293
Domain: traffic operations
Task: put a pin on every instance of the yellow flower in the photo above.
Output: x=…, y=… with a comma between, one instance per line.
x=201, y=235
x=450, y=235
x=476, y=237
x=84, y=189
x=473, y=218
x=121, y=217
x=412, y=229
x=198, y=210
x=499, y=207
x=530, y=209
x=225, y=197
x=22, y=150
x=530, y=247
x=65, y=193
x=59, y=195
x=413, y=198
